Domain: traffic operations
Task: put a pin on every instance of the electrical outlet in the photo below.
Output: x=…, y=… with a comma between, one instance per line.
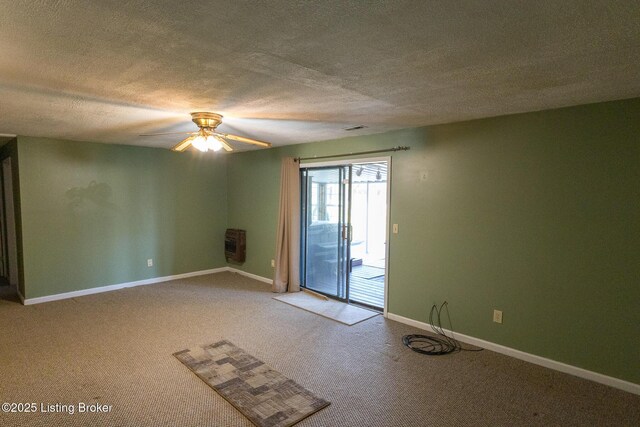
x=497, y=316
x=273, y=263
x=150, y=262
x=395, y=228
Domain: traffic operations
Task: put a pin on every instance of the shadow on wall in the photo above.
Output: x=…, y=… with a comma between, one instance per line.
x=87, y=199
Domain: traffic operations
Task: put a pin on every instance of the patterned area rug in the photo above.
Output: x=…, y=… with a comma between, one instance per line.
x=266, y=397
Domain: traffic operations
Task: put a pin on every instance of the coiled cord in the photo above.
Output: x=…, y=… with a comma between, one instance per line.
x=439, y=344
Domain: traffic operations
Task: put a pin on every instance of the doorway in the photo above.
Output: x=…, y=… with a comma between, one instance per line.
x=8, y=239
x=344, y=216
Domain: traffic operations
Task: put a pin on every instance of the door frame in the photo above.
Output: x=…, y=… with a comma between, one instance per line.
x=351, y=162
x=9, y=213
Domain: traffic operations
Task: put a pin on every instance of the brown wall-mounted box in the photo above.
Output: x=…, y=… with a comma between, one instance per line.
x=235, y=245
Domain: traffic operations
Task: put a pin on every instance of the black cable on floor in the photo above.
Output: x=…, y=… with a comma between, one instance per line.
x=439, y=344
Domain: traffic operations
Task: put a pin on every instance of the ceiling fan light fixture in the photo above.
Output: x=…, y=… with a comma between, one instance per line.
x=213, y=143
x=208, y=138
x=200, y=143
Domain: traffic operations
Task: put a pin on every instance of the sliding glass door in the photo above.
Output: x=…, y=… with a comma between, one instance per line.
x=325, y=229
x=344, y=230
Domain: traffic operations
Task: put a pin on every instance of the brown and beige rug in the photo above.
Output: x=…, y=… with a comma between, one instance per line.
x=266, y=397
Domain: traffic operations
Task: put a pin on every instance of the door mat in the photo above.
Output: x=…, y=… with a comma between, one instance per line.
x=265, y=396
x=334, y=310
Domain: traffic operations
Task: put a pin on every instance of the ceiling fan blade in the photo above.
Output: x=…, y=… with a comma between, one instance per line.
x=244, y=139
x=184, y=144
x=168, y=133
x=226, y=146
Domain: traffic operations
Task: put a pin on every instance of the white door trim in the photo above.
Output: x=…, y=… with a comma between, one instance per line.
x=343, y=162
x=387, y=222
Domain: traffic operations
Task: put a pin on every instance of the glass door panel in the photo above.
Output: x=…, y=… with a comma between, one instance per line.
x=369, y=221
x=325, y=231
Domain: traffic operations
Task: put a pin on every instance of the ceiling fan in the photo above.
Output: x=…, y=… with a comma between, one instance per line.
x=207, y=138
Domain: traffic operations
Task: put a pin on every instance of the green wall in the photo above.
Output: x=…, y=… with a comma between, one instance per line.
x=92, y=214
x=535, y=214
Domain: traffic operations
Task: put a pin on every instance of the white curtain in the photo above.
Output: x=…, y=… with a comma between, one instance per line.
x=287, y=272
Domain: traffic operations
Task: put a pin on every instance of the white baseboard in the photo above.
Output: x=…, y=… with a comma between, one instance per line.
x=528, y=357
x=253, y=276
x=90, y=291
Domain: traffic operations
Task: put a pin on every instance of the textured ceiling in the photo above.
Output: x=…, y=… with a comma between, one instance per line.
x=299, y=71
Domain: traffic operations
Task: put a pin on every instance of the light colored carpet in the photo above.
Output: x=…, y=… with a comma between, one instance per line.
x=116, y=348
x=331, y=309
